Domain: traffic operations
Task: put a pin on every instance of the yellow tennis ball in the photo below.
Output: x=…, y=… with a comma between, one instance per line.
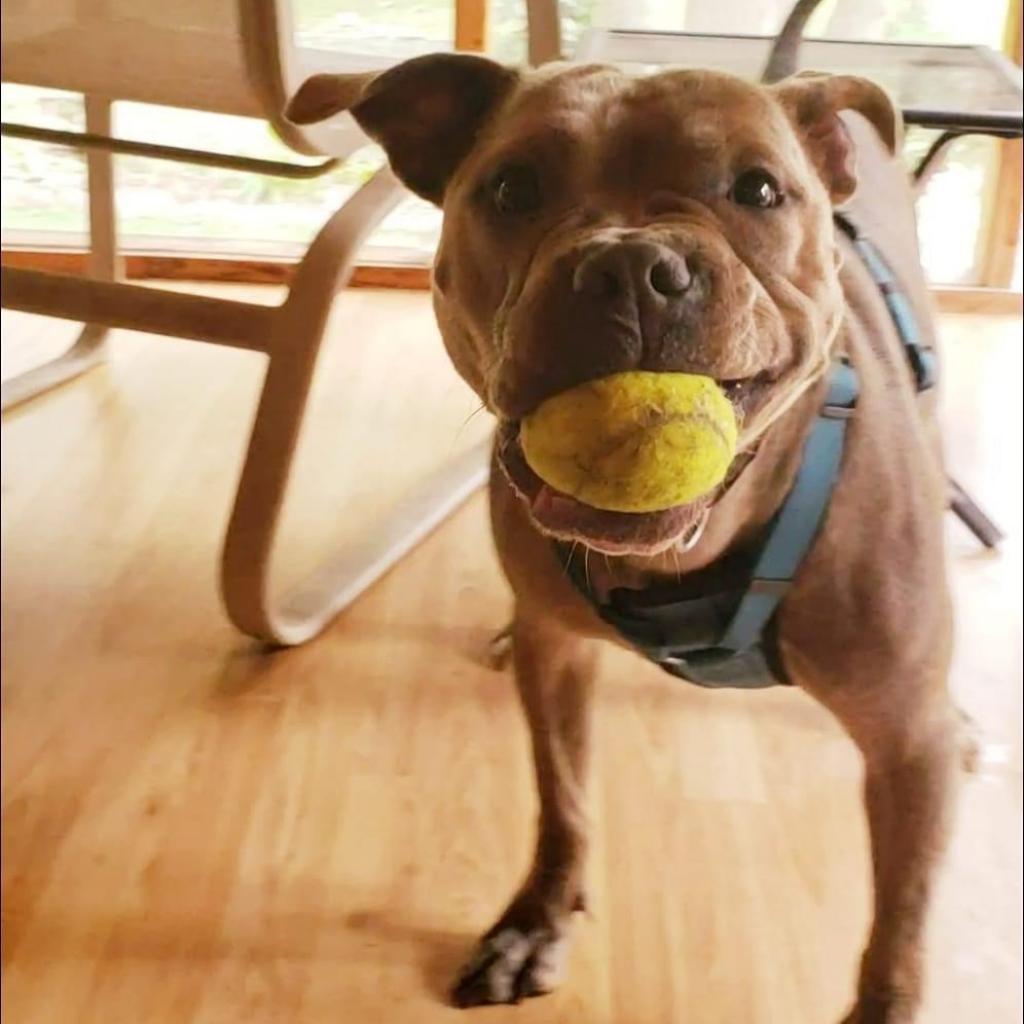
x=633, y=442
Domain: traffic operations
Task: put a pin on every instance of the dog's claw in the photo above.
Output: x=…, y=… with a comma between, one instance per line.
x=511, y=965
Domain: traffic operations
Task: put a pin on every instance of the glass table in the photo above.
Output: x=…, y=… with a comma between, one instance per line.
x=955, y=88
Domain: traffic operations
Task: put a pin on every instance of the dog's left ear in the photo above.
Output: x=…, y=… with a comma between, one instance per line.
x=813, y=102
x=426, y=112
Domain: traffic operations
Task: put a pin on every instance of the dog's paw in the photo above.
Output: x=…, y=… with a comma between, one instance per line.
x=511, y=964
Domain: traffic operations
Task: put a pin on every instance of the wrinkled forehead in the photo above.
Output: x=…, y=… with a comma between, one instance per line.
x=623, y=127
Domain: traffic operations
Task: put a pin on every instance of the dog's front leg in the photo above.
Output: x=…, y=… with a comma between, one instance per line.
x=523, y=954
x=911, y=754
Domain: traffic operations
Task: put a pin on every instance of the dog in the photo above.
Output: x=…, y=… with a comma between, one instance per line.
x=595, y=223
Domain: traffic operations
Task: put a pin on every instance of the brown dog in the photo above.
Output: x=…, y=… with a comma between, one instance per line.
x=596, y=223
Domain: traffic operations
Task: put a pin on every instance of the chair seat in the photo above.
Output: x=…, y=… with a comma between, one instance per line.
x=179, y=67
x=189, y=54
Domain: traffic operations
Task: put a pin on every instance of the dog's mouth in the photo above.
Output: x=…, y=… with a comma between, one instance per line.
x=617, y=533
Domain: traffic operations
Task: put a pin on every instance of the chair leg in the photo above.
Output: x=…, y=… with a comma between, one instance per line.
x=104, y=261
x=973, y=517
x=89, y=349
x=86, y=352
x=293, y=350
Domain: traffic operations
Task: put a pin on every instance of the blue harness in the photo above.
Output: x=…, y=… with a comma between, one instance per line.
x=726, y=637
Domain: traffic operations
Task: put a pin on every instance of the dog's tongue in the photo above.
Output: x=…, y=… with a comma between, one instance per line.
x=562, y=515
x=557, y=510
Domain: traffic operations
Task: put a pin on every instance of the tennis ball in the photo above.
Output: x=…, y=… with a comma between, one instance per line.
x=633, y=442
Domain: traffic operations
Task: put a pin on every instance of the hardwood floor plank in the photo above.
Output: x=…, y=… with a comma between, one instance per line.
x=196, y=831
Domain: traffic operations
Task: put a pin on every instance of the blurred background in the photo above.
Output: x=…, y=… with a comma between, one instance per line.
x=44, y=203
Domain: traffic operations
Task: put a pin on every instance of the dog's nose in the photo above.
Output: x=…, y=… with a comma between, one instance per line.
x=637, y=270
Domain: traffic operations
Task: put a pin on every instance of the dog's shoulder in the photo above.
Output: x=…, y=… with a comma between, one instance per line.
x=883, y=211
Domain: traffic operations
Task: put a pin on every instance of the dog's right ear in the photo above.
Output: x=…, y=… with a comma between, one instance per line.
x=426, y=112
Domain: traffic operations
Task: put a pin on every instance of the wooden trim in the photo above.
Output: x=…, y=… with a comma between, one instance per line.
x=1000, y=232
x=544, y=31
x=1003, y=222
x=202, y=268
x=471, y=25
x=258, y=250
x=995, y=301
x=984, y=237
x=411, y=278
x=1013, y=42
x=989, y=301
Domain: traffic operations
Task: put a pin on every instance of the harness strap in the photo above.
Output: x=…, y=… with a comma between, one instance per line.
x=796, y=526
x=723, y=638
x=921, y=359
x=716, y=639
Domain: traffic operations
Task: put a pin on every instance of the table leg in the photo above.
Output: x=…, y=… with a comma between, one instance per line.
x=973, y=516
x=932, y=160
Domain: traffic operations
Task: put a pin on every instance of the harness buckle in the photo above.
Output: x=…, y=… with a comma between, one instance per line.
x=670, y=661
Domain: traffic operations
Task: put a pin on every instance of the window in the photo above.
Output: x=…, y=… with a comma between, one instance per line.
x=164, y=206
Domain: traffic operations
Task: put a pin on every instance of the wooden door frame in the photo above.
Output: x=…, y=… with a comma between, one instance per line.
x=1000, y=227
x=471, y=25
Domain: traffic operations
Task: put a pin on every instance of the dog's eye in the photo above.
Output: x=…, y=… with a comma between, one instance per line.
x=515, y=189
x=756, y=188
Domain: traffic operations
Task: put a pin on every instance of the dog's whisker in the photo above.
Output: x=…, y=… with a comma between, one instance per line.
x=569, y=558
x=465, y=423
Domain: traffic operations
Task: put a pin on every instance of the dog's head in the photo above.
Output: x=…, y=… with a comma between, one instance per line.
x=596, y=222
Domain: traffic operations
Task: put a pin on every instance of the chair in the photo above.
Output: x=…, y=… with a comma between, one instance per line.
x=232, y=57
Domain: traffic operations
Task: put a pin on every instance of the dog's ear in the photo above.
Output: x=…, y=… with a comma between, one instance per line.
x=813, y=102
x=426, y=112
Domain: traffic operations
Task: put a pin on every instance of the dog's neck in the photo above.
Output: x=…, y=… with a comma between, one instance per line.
x=737, y=517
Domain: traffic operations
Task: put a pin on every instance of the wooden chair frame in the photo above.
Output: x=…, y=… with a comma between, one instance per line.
x=289, y=335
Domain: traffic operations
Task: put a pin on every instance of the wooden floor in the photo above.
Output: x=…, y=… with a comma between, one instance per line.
x=197, y=831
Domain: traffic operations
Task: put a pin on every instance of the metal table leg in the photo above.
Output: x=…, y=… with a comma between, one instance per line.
x=973, y=517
